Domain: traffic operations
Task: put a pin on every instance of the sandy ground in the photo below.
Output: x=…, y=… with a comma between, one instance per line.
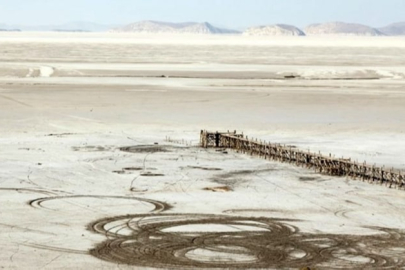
x=89, y=181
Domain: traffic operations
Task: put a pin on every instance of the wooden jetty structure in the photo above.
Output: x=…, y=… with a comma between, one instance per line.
x=290, y=154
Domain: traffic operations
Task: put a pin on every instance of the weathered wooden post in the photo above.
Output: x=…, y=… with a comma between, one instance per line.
x=202, y=139
x=217, y=137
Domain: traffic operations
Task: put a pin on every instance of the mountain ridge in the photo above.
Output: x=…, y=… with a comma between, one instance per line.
x=151, y=26
x=169, y=27
x=341, y=28
x=274, y=30
x=394, y=29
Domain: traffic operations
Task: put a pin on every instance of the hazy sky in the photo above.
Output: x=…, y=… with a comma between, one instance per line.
x=231, y=13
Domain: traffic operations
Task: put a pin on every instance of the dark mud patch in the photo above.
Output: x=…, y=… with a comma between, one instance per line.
x=204, y=168
x=60, y=134
x=146, y=149
x=132, y=189
x=223, y=151
x=90, y=148
x=218, y=189
x=131, y=170
x=32, y=149
x=291, y=76
x=149, y=174
x=189, y=241
x=235, y=178
x=309, y=179
x=240, y=173
x=120, y=172
x=139, y=169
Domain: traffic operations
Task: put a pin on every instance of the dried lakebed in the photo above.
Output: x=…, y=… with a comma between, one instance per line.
x=166, y=234
x=87, y=180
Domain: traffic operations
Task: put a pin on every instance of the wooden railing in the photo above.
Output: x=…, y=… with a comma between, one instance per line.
x=290, y=154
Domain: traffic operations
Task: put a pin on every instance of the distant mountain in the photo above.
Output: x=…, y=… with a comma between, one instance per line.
x=330, y=28
x=341, y=28
x=178, y=28
x=395, y=29
x=274, y=30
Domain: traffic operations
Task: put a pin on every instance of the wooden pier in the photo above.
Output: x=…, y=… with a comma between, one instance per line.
x=290, y=154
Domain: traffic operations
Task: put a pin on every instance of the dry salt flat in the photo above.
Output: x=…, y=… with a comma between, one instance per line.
x=89, y=178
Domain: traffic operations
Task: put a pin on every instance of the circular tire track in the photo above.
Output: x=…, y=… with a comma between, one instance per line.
x=159, y=206
x=150, y=245
x=188, y=241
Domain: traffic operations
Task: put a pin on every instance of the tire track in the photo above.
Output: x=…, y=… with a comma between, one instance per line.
x=159, y=206
x=168, y=241
x=15, y=101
